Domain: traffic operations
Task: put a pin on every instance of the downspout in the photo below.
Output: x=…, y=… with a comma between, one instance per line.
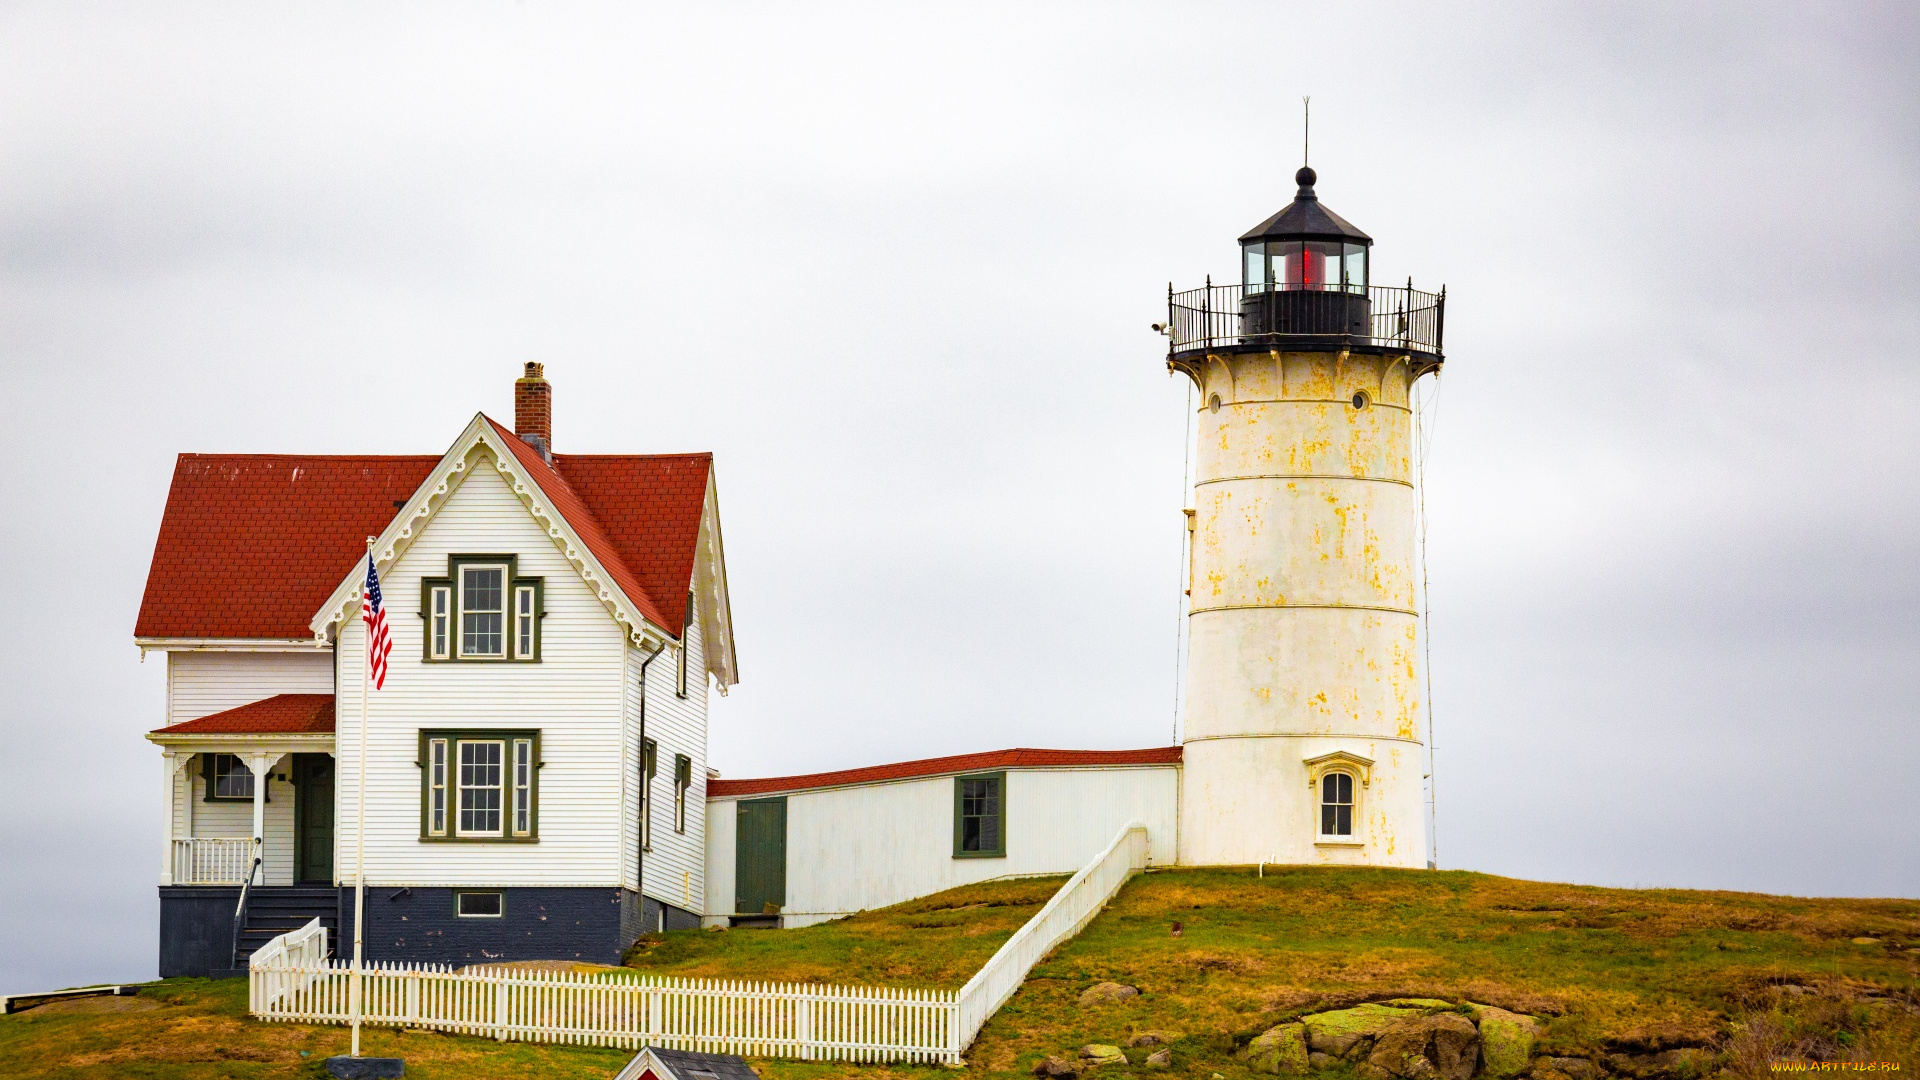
x=646, y=789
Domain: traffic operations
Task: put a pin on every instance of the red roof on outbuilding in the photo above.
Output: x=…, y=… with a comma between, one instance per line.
x=281, y=714
x=251, y=545
x=959, y=763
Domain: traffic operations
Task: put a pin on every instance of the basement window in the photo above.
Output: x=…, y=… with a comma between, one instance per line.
x=479, y=905
x=980, y=816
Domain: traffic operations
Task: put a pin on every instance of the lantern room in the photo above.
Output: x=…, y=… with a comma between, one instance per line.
x=1304, y=270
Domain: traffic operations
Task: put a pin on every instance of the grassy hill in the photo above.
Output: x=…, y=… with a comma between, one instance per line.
x=1615, y=977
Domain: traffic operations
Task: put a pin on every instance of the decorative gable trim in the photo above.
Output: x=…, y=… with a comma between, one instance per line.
x=480, y=445
x=710, y=582
x=1340, y=760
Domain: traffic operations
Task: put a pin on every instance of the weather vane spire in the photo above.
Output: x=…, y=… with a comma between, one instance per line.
x=1306, y=127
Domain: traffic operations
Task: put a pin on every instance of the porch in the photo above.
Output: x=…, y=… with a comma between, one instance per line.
x=248, y=795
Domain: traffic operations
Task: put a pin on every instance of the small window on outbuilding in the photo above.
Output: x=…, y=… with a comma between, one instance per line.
x=980, y=816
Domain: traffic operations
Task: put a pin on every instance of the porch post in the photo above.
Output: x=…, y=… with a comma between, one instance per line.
x=260, y=764
x=168, y=793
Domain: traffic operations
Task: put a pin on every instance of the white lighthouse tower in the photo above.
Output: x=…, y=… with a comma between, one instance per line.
x=1304, y=737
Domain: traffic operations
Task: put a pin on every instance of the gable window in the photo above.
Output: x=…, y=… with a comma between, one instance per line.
x=480, y=785
x=979, y=816
x=482, y=611
x=228, y=778
x=682, y=780
x=649, y=762
x=1336, y=804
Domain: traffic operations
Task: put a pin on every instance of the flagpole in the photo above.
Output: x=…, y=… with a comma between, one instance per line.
x=360, y=825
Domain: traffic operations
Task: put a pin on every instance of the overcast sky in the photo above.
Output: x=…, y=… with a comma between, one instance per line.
x=894, y=266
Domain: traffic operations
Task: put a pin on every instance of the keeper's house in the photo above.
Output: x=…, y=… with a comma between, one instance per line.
x=536, y=761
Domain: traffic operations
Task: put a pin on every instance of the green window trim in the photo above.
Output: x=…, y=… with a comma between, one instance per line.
x=434, y=649
x=208, y=774
x=686, y=626
x=649, y=768
x=682, y=780
x=441, y=775
x=995, y=809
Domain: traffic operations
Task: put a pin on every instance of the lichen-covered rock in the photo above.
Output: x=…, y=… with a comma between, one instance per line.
x=1442, y=1046
x=1103, y=993
x=1161, y=1058
x=1057, y=1067
x=1152, y=1038
x=1423, y=1004
x=1339, y=1031
x=1094, y=1055
x=1572, y=1068
x=1506, y=1041
x=1280, y=1049
x=1318, y=1060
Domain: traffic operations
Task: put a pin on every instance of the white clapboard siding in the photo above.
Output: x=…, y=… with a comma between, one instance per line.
x=234, y=820
x=867, y=846
x=573, y=696
x=676, y=866
x=203, y=683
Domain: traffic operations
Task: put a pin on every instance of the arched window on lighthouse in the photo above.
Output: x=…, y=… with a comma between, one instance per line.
x=1336, y=804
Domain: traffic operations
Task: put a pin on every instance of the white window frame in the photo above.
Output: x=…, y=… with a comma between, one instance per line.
x=1352, y=804
x=649, y=768
x=440, y=622
x=462, y=787
x=686, y=632
x=437, y=787
x=682, y=782
x=459, y=904
x=525, y=621
x=504, y=610
x=521, y=802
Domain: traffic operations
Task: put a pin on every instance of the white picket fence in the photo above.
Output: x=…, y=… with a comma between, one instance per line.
x=290, y=980
x=1070, y=909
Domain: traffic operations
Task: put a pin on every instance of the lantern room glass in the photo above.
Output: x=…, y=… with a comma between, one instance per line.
x=1313, y=265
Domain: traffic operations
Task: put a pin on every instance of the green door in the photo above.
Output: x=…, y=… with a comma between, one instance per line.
x=760, y=856
x=313, y=818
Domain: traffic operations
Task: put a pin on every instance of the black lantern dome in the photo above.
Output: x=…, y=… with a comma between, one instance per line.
x=1304, y=270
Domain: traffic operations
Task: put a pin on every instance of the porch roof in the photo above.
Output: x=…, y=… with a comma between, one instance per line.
x=281, y=714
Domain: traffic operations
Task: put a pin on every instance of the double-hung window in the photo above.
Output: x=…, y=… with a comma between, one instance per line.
x=980, y=816
x=228, y=778
x=480, y=785
x=482, y=611
x=649, y=762
x=1336, y=804
x=682, y=780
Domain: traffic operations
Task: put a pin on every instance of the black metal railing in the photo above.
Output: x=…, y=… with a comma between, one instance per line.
x=240, y=909
x=1387, y=317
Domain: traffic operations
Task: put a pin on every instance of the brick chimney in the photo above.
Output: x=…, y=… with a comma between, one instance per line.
x=533, y=410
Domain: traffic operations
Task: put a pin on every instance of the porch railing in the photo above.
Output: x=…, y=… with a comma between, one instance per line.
x=213, y=860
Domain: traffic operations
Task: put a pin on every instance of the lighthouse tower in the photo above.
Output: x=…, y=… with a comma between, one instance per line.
x=1304, y=734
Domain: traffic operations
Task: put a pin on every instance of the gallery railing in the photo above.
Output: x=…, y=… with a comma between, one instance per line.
x=1295, y=315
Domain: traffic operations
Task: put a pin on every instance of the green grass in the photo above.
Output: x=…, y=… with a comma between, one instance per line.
x=1610, y=971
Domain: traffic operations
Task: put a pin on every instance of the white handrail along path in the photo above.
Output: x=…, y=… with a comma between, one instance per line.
x=291, y=980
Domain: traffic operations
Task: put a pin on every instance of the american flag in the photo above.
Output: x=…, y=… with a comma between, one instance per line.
x=379, y=639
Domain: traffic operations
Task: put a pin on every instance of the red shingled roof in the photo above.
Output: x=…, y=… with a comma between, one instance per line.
x=281, y=714
x=251, y=545
x=959, y=763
